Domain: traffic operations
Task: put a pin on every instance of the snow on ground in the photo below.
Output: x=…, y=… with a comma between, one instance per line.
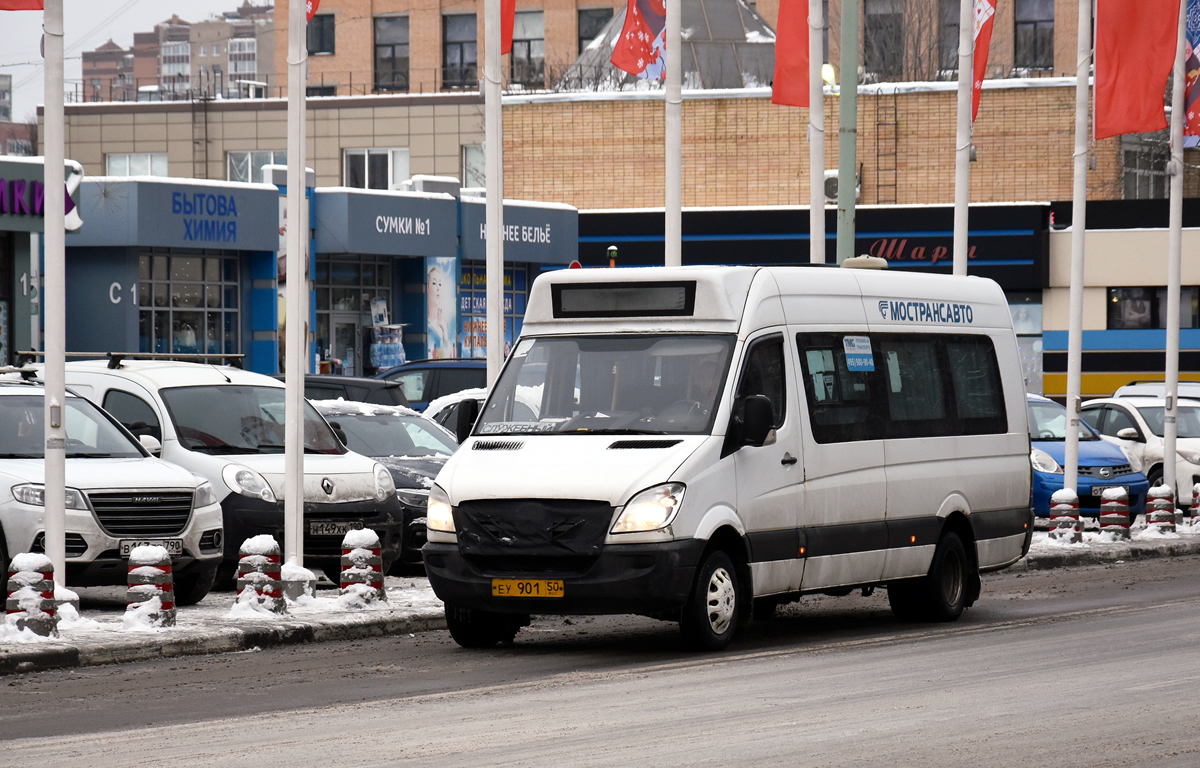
x=1093, y=538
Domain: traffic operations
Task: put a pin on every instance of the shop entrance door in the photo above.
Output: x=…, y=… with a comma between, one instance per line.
x=347, y=346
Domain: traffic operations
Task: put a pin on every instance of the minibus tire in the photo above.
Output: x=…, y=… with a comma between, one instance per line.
x=946, y=585
x=906, y=600
x=710, y=616
x=473, y=628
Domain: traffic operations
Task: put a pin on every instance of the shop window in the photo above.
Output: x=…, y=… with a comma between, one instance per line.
x=247, y=166
x=591, y=23
x=1144, y=308
x=528, y=60
x=391, y=53
x=883, y=37
x=460, y=55
x=320, y=35
x=136, y=164
x=345, y=288
x=474, y=167
x=1144, y=166
x=1034, y=34
x=472, y=295
x=189, y=303
x=375, y=168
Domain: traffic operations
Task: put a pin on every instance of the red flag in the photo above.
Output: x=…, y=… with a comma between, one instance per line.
x=1135, y=49
x=310, y=9
x=21, y=5
x=790, y=86
x=985, y=14
x=639, y=49
x=508, y=19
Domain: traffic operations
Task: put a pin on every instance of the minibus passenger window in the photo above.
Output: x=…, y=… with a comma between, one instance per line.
x=763, y=375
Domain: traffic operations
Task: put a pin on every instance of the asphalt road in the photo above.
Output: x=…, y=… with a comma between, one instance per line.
x=1094, y=666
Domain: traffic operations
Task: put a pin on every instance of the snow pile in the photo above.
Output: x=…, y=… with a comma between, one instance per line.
x=1151, y=532
x=144, y=616
x=298, y=582
x=249, y=605
x=361, y=539
x=31, y=561
x=11, y=633
x=263, y=544
x=69, y=618
x=358, y=597
x=149, y=555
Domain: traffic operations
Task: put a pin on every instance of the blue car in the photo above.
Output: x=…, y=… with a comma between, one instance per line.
x=1101, y=464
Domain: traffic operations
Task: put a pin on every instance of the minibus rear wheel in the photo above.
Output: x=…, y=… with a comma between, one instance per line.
x=941, y=595
x=710, y=616
x=473, y=628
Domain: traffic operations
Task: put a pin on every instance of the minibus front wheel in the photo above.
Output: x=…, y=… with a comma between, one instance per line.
x=711, y=615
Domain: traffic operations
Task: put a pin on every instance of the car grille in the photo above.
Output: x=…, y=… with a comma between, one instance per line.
x=1117, y=470
x=148, y=513
x=537, y=534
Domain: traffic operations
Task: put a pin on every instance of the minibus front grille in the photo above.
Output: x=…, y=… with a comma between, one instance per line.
x=497, y=445
x=628, y=444
x=536, y=528
x=559, y=566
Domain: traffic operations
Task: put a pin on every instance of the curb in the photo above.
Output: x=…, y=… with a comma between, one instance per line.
x=1110, y=554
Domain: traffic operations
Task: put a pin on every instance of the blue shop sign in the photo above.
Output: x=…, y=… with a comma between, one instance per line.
x=385, y=223
x=536, y=233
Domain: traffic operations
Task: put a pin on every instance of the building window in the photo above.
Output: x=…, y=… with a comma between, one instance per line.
x=188, y=304
x=1144, y=166
x=375, y=168
x=883, y=38
x=474, y=167
x=1034, y=43
x=321, y=90
x=176, y=64
x=1146, y=308
x=459, y=51
x=243, y=59
x=22, y=147
x=203, y=50
x=391, y=53
x=320, y=34
x=216, y=50
x=136, y=164
x=950, y=29
x=472, y=293
x=591, y=23
x=528, y=58
x=248, y=166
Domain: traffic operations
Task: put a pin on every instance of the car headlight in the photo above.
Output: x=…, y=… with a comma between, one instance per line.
x=384, y=487
x=439, y=514
x=1191, y=457
x=205, y=495
x=651, y=509
x=36, y=495
x=247, y=482
x=1043, y=462
x=413, y=497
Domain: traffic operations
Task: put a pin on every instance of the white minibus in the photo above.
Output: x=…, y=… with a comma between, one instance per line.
x=702, y=444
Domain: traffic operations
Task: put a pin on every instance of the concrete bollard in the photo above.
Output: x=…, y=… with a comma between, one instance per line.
x=1160, y=508
x=30, y=598
x=1065, y=524
x=1194, y=512
x=259, y=572
x=151, y=577
x=1114, y=512
x=362, y=564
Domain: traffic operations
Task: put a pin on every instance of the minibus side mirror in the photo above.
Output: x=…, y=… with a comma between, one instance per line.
x=758, y=419
x=464, y=422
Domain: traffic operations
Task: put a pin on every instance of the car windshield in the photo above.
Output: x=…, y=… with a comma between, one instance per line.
x=240, y=419
x=394, y=435
x=651, y=384
x=1187, y=423
x=90, y=432
x=1048, y=421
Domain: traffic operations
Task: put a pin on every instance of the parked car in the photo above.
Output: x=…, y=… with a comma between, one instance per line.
x=326, y=386
x=412, y=447
x=1101, y=464
x=426, y=380
x=1157, y=389
x=1135, y=423
x=118, y=497
x=227, y=425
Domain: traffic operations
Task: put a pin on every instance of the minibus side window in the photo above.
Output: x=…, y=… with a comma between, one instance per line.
x=915, y=384
x=763, y=375
x=839, y=400
x=978, y=393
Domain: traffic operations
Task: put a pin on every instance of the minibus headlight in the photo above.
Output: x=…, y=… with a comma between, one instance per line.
x=439, y=514
x=35, y=495
x=651, y=509
x=247, y=482
x=1043, y=462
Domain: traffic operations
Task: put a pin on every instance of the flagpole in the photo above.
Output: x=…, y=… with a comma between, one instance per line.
x=674, y=139
x=816, y=133
x=847, y=132
x=1174, y=256
x=1078, y=233
x=54, y=298
x=494, y=199
x=962, y=145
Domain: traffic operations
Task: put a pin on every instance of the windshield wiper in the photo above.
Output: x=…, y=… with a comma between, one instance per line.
x=91, y=455
x=607, y=431
x=21, y=456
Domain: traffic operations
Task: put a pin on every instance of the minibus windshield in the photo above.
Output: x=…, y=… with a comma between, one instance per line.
x=645, y=384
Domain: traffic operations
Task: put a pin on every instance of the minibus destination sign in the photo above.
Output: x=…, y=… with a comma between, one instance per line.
x=649, y=299
x=926, y=312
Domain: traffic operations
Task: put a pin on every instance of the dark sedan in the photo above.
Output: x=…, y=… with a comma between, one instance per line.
x=412, y=447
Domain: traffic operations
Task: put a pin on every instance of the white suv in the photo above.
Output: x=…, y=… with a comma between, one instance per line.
x=118, y=496
x=227, y=425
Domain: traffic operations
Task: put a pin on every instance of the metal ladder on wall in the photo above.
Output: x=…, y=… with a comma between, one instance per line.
x=200, y=135
x=887, y=131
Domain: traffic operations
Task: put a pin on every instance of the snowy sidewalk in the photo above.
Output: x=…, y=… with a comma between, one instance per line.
x=98, y=635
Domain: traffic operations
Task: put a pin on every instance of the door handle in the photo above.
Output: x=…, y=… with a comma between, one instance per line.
x=788, y=460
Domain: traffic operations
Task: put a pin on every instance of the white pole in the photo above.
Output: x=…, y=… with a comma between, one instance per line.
x=295, y=294
x=816, y=133
x=1174, y=255
x=962, y=143
x=674, y=137
x=494, y=166
x=54, y=298
x=1078, y=231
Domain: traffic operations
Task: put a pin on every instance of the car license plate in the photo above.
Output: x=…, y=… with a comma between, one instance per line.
x=323, y=528
x=1098, y=490
x=174, y=547
x=527, y=588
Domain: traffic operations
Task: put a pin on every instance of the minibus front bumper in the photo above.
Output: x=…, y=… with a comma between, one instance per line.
x=646, y=579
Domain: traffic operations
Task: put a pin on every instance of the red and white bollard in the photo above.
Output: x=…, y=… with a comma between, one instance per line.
x=151, y=578
x=1114, y=512
x=30, y=599
x=362, y=565
x=258, y=577
x=1194, y=512
x=1160, y=509
x=1065, y=525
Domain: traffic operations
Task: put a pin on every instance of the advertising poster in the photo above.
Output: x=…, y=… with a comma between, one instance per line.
x=441, y=308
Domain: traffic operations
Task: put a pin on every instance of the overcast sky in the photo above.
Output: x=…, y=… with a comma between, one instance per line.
x=88, y=24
